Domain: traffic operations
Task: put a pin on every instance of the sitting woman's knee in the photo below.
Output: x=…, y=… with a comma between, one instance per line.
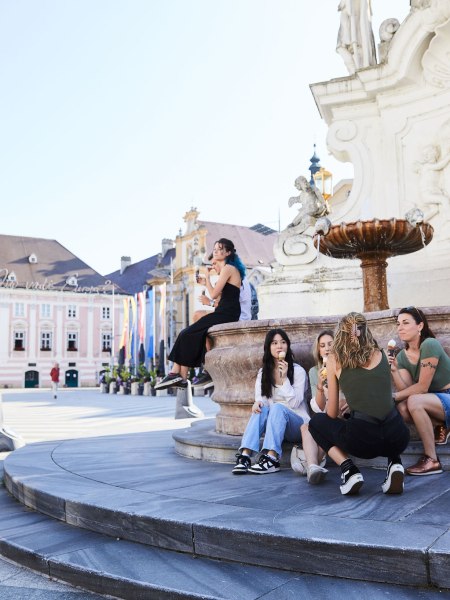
x=414, y=402
x=276, y=409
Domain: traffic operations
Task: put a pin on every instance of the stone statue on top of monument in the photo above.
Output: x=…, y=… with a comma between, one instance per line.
x=355, y=42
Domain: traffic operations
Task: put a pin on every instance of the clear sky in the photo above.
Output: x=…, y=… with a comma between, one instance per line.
x=119, y=115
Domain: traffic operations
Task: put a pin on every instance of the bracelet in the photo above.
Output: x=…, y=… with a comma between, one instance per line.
x=211, y=303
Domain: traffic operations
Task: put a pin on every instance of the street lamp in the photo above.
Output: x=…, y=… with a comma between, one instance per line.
x=323, y=181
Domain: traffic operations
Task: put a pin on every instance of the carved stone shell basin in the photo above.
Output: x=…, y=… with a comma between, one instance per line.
x=388, y=237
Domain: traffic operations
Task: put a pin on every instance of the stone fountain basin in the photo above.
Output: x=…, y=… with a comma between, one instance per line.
x=387, y=237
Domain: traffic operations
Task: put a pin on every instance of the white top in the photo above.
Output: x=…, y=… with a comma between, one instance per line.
x=245, y=299
x=293, y=396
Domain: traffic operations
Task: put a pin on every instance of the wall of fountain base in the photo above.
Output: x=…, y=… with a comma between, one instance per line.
x=328, y=288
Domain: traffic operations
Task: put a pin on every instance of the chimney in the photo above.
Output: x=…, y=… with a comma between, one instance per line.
x=125, y=261
x=166, y=246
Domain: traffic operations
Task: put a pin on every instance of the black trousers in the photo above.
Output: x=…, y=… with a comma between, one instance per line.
x=360, y=438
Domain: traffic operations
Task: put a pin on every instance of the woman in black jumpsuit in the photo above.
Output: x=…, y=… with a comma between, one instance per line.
x=189, y=347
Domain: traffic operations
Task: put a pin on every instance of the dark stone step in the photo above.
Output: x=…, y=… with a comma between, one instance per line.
x=136, y=488
x=124, y=569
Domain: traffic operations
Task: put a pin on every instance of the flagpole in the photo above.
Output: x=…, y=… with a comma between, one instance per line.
x=113, y=330
x=171, y=303
x=154, y=323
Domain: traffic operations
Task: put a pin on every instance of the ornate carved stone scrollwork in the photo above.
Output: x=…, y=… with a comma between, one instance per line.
x=435, y=61
x=388, y=28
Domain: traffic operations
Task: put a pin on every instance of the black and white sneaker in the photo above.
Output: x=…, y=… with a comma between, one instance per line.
x=395, y=475
x=352, y=481
x=243, y=463
x=168, y=381
x=266, y=464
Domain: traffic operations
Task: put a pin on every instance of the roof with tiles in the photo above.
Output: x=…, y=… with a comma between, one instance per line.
x=135, y=275
x=33, y=262
x=254, y=248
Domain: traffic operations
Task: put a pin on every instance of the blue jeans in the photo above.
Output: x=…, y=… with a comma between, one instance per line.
x=278, y=423
x=444, y=397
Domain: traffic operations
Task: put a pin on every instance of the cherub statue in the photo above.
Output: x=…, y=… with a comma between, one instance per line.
x=430, y=168
x=312, y=203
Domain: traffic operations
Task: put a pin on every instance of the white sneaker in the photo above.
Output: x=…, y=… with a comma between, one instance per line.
x=316, y=474
x=393, y=484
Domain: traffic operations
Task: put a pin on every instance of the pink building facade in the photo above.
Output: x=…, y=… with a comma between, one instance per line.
x=49, y=314
x=75, y=329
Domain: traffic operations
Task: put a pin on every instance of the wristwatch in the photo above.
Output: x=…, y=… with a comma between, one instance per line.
x=211, y=303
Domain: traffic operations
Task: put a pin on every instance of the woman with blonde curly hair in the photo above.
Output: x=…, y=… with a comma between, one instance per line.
x=375, y=428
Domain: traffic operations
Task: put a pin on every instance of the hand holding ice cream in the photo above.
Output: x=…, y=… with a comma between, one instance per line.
x=391, y=345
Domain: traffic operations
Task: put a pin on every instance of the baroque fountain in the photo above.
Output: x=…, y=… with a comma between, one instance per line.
x=390, y=117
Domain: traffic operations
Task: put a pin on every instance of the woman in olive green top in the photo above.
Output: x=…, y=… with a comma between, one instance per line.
x=421, y=374
x=375, y=428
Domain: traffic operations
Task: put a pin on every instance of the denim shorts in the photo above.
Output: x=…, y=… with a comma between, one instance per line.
x=444, y=397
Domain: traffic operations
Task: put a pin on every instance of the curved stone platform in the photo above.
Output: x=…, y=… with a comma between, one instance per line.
x=201, y=441
x=136, y=488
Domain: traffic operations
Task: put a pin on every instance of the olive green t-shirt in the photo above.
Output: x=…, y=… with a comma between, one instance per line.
x=429, y=348
x=369, y=390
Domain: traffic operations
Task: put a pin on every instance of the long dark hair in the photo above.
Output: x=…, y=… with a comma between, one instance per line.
x=418, y=317
x=267, y=380
x=233, y=259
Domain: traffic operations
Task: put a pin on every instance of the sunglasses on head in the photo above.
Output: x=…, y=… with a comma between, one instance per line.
x=410, y=309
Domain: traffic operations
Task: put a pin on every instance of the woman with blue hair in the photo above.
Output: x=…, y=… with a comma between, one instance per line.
x=189, y=347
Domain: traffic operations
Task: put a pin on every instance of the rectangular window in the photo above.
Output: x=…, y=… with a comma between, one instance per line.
x=45, y=311
x=19, y=309
x=106, y=312
x=19, y=340
x=72, y=342
x=106, y=342
x=72, y=311
x=46, y=340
